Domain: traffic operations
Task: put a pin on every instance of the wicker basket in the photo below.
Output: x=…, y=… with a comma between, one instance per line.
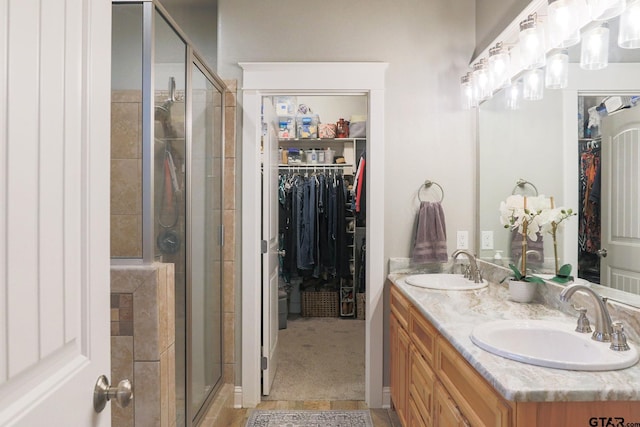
x=361, y=301
x=320, y=304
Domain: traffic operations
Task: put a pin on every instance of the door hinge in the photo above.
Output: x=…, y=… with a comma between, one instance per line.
x=264, y=362
x=222, y=235
x=263, y=246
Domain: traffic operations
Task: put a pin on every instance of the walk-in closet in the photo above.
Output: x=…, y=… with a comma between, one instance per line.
x=313, y=175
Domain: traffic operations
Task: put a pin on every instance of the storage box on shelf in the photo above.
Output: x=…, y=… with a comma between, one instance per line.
x=319, y=304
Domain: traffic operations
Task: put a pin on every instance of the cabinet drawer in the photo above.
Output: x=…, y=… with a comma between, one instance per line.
x=421, y=384
x=423, y=334
x=400, y=307
x=476, y=399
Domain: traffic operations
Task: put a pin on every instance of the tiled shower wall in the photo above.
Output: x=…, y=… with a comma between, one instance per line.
x=143, y=343
x=126, y=174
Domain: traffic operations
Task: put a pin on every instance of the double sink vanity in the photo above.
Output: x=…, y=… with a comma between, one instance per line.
x=463, y=353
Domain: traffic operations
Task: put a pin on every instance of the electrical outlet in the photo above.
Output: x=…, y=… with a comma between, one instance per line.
x=487, y=239
x=462, y=241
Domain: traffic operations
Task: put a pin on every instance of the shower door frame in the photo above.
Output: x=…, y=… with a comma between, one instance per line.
x=192, y=59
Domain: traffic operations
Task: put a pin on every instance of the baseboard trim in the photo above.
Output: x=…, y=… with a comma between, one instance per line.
x=386, y=397
x=237, y=397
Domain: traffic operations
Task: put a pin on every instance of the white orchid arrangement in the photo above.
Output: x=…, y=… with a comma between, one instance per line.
x=530, y=216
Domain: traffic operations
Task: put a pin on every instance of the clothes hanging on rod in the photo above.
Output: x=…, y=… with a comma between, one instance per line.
x=360, y=192
x=313, y=226
x=589, y=209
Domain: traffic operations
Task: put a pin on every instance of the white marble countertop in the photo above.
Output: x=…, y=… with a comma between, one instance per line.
x=455, y=313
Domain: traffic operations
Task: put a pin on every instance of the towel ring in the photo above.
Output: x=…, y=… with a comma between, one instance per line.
x=427, y=184
x=521, y=183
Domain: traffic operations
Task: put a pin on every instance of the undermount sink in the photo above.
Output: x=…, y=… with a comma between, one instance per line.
x=552, y=344
x=448, y=282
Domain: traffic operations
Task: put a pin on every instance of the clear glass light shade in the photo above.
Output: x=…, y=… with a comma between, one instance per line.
x=601, y=10
x=513, y=96
x=557, y=71
x=467, y=97
x=532, y=47
x=533, y=85
x=629, y=30
x=481, y=82
x=563, y=23
x=594, y=53
x=499, y=69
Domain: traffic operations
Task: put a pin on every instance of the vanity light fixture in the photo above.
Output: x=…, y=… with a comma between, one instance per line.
x=499, y=67
x=629, y=30
x=466, y=92
x=513, y=95
x=557, y=70
x=594, y=53
x=601, y=10
x=481, y=84
x=563, y=22
x=533, y=85
x=532, y=43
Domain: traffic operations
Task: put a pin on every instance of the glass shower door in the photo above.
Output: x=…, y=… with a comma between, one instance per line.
x=205, y=204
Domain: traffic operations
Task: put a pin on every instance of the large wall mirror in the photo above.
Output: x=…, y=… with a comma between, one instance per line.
x=542, y=148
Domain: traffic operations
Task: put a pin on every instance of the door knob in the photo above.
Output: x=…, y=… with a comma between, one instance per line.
x=602, y=253
x=282, y=252
x=102, y=393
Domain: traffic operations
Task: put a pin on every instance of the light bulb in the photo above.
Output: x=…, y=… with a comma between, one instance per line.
x=532, y=44
x=466, y=92
x=499, y=67
x=557, y=71
x=629, y=31
x=481, y=84
x=594, y=53
x=563, y=26
x=533, y=85
x=513, y=95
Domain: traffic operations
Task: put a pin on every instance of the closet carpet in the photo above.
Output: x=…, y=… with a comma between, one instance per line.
x=320, y=358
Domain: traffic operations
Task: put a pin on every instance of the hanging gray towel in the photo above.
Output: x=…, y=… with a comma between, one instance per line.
x=430, y=244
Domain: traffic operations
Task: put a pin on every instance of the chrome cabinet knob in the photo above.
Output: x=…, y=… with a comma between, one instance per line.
x=102, y=393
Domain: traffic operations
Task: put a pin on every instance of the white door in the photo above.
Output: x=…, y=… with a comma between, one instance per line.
x=620, y=269
x=54, y=210
x=270, y=248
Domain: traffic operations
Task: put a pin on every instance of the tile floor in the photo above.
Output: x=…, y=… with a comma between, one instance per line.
x=239, y=417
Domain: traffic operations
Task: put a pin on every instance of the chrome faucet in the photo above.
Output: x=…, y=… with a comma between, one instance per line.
x=474, y=273
x=603, y=327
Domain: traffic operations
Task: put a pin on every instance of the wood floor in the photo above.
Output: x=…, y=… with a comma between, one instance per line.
x=239, y=417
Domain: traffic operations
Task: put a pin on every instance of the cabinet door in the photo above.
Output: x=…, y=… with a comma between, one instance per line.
x=421, y=384
x=399, y=369
x=415, y=417
x=447, y=413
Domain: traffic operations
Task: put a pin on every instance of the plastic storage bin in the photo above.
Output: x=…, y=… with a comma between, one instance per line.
x=285, y=105
x=286, y=127
x=307, y=126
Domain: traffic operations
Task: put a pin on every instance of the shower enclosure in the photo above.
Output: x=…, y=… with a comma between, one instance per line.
x=167, y=184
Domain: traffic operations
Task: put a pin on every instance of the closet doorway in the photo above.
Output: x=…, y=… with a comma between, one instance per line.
x=314, y=223
x=269, y=79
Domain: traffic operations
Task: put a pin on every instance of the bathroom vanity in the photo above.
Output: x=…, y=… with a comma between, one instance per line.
x=439, y=377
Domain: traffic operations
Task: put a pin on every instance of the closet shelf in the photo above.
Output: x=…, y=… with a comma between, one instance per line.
x=318, y=139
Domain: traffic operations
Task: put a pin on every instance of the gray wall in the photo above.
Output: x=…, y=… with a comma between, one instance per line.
x=428, y=46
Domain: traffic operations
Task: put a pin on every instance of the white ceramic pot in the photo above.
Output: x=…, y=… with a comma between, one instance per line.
x=520, y=291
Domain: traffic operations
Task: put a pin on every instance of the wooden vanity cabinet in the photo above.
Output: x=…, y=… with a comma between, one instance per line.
x=433, y=385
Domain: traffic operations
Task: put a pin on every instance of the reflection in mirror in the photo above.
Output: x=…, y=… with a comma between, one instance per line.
x=552, y=144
